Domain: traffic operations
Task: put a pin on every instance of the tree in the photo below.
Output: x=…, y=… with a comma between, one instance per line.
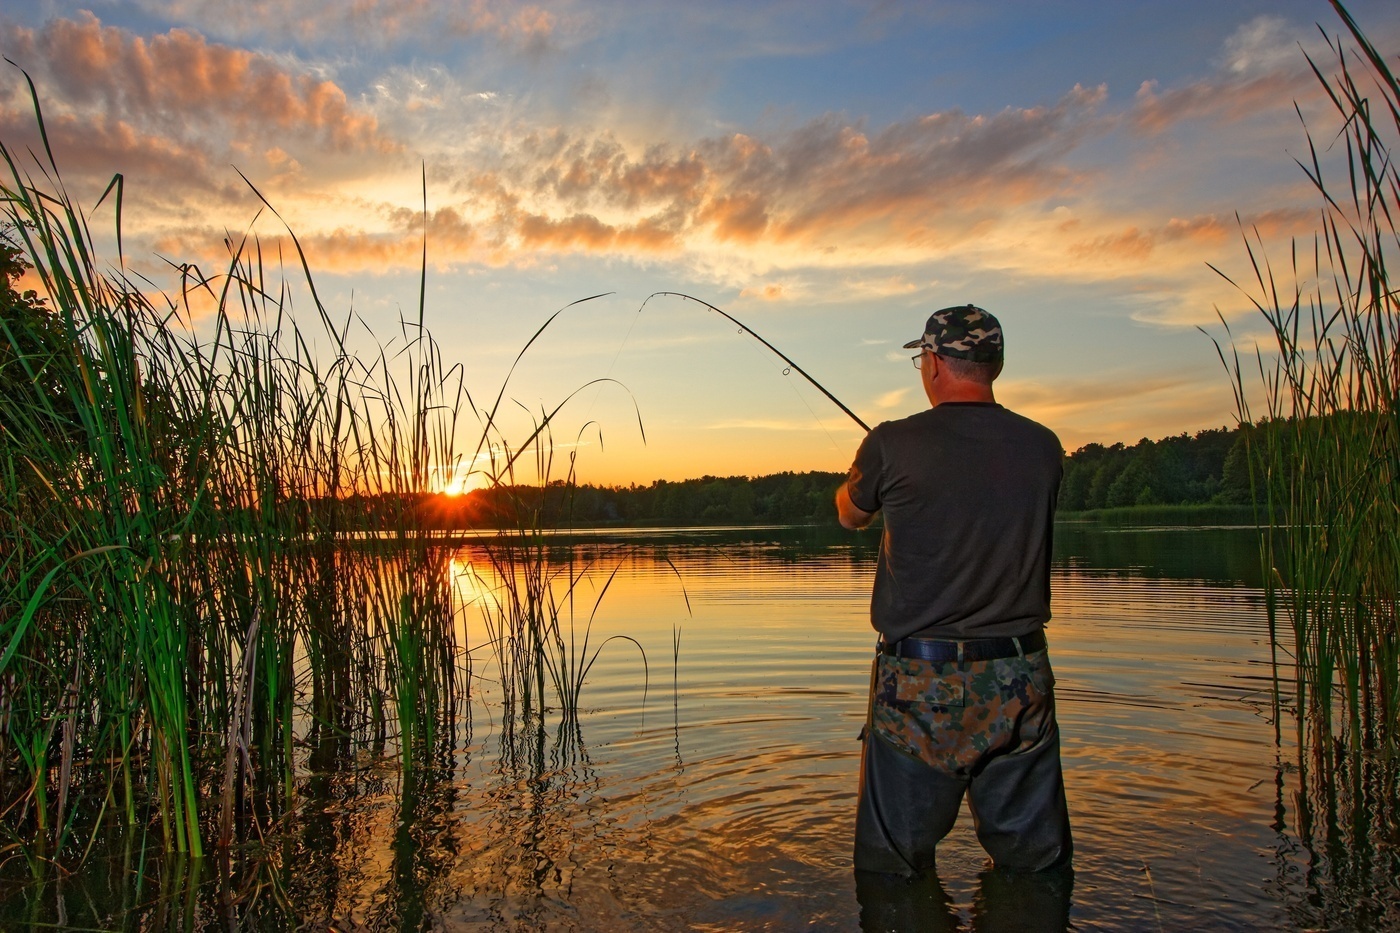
x=33, y=395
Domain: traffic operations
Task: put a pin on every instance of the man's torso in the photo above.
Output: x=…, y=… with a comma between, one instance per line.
x=967, y=491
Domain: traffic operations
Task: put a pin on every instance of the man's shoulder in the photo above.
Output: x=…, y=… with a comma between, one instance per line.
x=933, y=419
x=1030, y=425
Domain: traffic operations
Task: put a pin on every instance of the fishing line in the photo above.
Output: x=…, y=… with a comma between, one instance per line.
x=608, y=374
x=744, y=328
x=787, y=371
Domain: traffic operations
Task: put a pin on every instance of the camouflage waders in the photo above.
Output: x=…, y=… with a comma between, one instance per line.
x=937, y=729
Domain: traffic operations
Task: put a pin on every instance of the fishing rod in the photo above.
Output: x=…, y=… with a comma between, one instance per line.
x=746, y=329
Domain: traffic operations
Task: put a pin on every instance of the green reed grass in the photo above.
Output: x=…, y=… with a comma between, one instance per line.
x=534, y=599
x=184, y=629
x=1325, y=449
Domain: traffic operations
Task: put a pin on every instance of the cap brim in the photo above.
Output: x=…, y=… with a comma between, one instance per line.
x=914, y=343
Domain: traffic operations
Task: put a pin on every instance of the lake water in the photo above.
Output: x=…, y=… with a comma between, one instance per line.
x=712, y=786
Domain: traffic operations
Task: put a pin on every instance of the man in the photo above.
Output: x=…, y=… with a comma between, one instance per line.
x=961, y=693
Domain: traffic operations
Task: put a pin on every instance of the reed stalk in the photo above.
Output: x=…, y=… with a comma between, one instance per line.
x=1326, y=446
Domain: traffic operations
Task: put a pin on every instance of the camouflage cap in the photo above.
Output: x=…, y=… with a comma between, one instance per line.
x=966, y=332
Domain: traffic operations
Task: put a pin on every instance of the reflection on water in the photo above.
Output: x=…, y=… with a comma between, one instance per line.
x=1026, y=903
x=712, y=786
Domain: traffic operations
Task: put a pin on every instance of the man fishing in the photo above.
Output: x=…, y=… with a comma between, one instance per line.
x=962, y=693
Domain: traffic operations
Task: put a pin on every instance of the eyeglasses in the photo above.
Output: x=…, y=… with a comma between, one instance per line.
x=918, y=358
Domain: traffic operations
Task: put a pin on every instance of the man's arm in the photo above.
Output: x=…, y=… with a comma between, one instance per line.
x=851, y=516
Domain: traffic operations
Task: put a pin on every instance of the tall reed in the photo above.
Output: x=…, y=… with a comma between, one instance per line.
x=1326, y=446
x=214, y=571
x=532, y=600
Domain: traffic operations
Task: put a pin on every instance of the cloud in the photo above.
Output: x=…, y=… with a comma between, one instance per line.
x=1121, y=405
x=924, y=179
x=1130, y=247
x=179, y=84
x=1262, y=71
x=892, y=399
x=451, y=239
x=742, y=218
x=1219, y=100
x=98, y=145
x=1262, y=45
x=172, y=112
x=586, y=232
x=878, y=209
x=769, y=292
x=828, y=189
x=1131, y=244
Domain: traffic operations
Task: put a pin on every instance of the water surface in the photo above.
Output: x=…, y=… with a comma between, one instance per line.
x=711, y=785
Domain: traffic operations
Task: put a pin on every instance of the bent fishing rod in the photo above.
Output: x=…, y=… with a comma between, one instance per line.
x=746, y=329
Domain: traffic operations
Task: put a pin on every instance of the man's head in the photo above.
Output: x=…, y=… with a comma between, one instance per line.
x=968, y=341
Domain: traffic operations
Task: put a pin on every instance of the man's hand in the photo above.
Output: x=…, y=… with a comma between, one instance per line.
x=851, y=516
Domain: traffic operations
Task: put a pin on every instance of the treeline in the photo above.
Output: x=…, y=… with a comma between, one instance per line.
x=1209, y=467
x=779, y=499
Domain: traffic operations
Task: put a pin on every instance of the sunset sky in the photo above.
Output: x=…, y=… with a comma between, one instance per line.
x=828, y=172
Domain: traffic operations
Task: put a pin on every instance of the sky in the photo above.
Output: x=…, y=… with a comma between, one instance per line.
x=827, y=172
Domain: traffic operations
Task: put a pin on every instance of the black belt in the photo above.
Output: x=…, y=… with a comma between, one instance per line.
x=968, y=649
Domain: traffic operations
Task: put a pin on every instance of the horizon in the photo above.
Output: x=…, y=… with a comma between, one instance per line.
x=829, y=178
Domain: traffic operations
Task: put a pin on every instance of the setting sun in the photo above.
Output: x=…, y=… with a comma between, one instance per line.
x=461, y=482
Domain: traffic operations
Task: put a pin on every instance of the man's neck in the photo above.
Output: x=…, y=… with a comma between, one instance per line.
x=963, y=392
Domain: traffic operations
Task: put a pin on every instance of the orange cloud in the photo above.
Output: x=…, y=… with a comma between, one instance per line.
x=1122, y=405
x=742, y=217
x=598, y=171
x=178, y=82
x=1208, y=229
x=450, y=239
x=1131, y=244
x=211, y=249
x=93, y=147
x=446, y=229
x=589, y=233
x=1135, y=244
x=1221, y=100
x=579, y=230
x=770, y=292
x=831, y=177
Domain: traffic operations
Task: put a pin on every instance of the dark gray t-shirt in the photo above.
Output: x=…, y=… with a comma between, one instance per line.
x=968, y=494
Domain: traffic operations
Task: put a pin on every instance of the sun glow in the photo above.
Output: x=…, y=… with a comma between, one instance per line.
x=464, y=481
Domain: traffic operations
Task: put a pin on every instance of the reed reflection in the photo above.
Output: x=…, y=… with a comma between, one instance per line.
x=1345, y=835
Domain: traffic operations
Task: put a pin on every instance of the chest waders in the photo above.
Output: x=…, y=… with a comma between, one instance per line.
x=867, y=735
